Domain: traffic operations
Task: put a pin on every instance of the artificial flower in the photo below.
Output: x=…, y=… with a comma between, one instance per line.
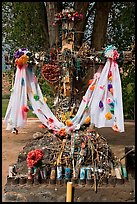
x=36, y=97
x=92, y=87
x=111, y=91
x=25, y=108
x=101, y=104
x=109, y=100
x=110, y=78
x=108, y=115
x=22, y=81
x=90, y=81
x=112, y=110
x=87, y=120
x=109, y=74
x=34, y=156
x=115, y=128
x=50, y=120
x=62, y=132
x=69, y=123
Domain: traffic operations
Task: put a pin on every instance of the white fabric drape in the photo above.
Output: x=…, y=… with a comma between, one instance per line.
x=89, y=105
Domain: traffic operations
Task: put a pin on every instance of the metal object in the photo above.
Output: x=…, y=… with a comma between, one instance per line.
x=30, y=172
x=59, y=172
x=82, y=173
x=89, y=173
x=67, y=173
x=11, y=170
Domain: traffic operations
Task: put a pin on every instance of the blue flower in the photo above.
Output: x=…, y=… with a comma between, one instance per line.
x=109, y=47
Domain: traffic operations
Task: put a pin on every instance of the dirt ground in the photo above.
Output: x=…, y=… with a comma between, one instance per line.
x=12, y=144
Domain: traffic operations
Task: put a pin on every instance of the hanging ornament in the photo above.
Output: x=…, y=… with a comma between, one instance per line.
x=86, y=108
x=109, y=100
x=108, y=116
x=69, y=123
x=111, y=91
x=22, y=82
x=25, y=108
x=110, y=78
x=112, y=110
x=87, y=120
x=90, y=81
x=109, y=74
x=115, y=128
x=36, y=97
x=109, y=86
x=45, y=99
x=111, y=104
x=101, y=104
x=92, y=87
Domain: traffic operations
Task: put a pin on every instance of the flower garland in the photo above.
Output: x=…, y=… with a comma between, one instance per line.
x=68, y=14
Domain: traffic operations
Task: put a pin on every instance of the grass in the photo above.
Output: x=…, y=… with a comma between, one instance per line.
x=5, y=105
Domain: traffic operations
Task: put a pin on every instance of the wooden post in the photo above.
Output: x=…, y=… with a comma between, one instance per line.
x=69, y=192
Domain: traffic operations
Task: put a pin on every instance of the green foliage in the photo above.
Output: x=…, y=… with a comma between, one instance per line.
x=128, y=91
x=24, y=24
x=27, y=21
x=121, y=24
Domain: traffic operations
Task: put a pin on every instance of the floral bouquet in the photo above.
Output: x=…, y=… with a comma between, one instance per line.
x=34, y=157
x=111, y=52
x=23, y=56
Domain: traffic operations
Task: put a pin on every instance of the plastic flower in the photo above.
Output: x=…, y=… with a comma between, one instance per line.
x=34, y=156
x=87, y=120
x=69, y=123
x=109, y=100
x=115, y=128
x=111, y=90
x=22, y=60
x=108, y=115
x=50, y=120
x=36, y=97
x=109, y=74
x=109, y=86
x=25, y=108
x=62, y=132
x=112, y=110
x=111, y=52
x=92, y=87
x=115, y=55
x=101, y=104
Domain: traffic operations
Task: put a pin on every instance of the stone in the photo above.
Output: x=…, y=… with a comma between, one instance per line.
x=37, y=135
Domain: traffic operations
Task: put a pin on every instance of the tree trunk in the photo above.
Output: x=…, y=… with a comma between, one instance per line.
x=44, y=24
x=100, y=24
x=79, y=26
x=52, y=8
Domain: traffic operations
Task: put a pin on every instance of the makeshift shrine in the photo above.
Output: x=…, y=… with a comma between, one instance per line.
x=70, y=149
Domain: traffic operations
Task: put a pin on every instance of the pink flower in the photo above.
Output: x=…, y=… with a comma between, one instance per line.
x=109, y=100
x=116, y=55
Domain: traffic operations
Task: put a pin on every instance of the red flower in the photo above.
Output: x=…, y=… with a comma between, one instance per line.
x=50, y=120
x=33, y=157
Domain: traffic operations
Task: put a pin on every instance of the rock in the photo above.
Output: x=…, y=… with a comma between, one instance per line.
x=37, y=135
